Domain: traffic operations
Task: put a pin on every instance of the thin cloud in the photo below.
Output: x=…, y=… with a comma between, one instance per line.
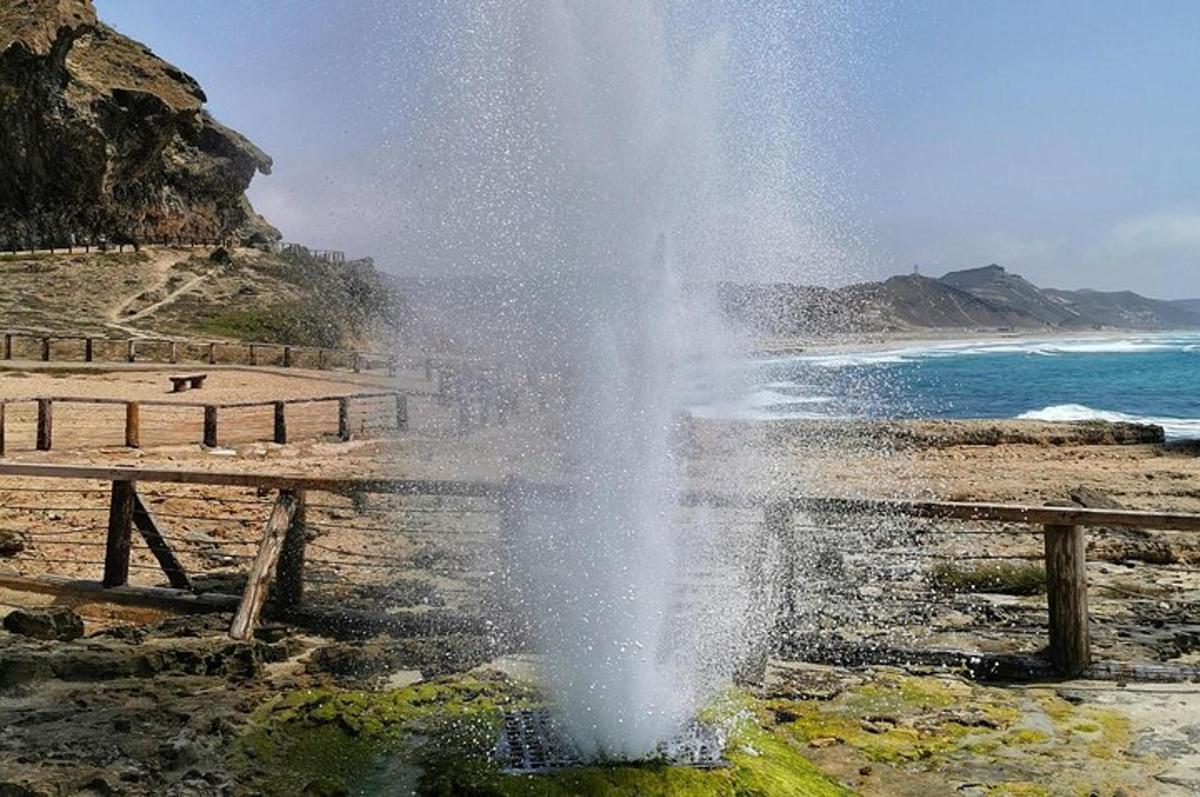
x=1169, y=234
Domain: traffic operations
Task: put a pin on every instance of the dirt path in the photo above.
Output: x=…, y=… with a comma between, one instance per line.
x=163, y=264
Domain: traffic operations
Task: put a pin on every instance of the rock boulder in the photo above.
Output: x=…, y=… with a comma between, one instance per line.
x=56, y=622
x=102, y=138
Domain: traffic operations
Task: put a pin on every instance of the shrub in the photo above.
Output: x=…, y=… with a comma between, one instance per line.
x=1003, y=578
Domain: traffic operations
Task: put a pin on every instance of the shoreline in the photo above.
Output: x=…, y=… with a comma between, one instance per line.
x=854, y=342
x=864, y=350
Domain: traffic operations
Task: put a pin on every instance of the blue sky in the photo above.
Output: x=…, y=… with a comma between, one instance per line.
x=1059, y=139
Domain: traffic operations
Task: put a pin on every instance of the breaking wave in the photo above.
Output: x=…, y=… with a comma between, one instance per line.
x=1045, y=347
x=1175, y=428
x=762, y=405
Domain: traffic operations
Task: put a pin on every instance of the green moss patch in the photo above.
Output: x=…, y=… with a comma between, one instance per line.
x=435, y=738
x=940, y=726
x=1002, y=578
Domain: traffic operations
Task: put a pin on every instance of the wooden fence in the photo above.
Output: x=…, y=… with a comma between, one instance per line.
x=96, y=348
x=281, y=551
x=44, y=436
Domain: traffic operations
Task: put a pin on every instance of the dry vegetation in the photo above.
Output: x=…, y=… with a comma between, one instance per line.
x=182, y=292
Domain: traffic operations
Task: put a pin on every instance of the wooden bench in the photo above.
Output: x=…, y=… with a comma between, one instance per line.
x=185, y=381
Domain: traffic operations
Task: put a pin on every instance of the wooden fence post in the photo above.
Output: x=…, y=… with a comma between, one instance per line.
x=45, y=350
x=133, y=425
x=1066, y=592
x=287, y=356
x=210, y=425
x=289, y=575
x=87, y=350
x=401, y=412
x=253, y=354
x=174, y=352
x=131, y=350
x=343, y=419
x=357, y=362
x=264, y=564
x=120, y=529
x=2, y=406
x=8, y=345
x=280, y=422
x=212, y=353
x=151, y=532
x=321, y=359
x=45, y=424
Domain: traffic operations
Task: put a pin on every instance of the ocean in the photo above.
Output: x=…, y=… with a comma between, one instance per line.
x=1147, y=378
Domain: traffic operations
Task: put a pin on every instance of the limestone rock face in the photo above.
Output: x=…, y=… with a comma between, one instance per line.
x=102, y=137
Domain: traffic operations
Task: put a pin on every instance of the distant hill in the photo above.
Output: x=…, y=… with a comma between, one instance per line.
x=1082, y=309
x=1127, y=310
x=986, y=298
x=914, y=301
x=1014, y=293
x=274, y=297
x=899, y=303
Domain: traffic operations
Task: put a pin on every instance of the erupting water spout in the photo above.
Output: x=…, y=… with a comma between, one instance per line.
x=607, y=164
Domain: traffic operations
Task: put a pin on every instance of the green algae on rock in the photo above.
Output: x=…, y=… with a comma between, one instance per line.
x=436, y=738
x=888, y=734
x=1009, y=739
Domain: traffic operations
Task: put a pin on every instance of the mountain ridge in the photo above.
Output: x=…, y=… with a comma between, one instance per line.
x=1188, y=304
x=987, y=297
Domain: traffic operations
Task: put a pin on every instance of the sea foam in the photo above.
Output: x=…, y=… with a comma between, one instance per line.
x=1175, y=428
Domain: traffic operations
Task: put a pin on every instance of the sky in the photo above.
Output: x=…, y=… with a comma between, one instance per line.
x=1059, y=140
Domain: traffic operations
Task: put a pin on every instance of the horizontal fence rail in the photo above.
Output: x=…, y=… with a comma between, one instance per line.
x=289, y=535
x=960, y=510
x=141, y=498
x=341, y=486
x=99, y=348
x=396, y=417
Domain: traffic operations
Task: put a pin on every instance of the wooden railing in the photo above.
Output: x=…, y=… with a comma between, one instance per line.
x=1064, y=550
x=211, y=409
x=281, y=551
x=101, y=348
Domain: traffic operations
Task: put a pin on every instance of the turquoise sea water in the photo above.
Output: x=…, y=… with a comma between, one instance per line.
x=1152, y=378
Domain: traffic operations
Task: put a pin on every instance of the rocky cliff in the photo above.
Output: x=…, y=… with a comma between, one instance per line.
x=101, y=137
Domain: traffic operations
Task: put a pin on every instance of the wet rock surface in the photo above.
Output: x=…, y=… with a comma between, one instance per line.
x=11, y=544
x=160, y=709
x=130, y=710
x=57, y=623
x=362, y=662
x=892, y=732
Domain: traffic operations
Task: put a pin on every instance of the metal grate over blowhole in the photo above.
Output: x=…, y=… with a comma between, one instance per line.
x=531, y=743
